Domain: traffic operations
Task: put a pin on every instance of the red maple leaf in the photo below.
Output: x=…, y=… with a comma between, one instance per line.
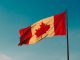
x=43, y=29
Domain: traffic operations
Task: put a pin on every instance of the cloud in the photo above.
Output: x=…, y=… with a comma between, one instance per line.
x=5, y=57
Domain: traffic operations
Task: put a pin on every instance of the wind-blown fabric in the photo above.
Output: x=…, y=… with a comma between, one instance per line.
x=51, y=26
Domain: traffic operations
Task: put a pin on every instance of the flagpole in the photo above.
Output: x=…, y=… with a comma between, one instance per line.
x=67, y=35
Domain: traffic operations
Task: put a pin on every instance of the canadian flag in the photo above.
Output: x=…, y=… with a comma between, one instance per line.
x=51, y=26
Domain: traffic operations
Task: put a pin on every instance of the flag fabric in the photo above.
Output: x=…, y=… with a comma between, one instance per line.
x=51, y=26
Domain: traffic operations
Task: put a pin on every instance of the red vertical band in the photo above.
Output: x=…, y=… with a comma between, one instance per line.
x=25, y=35
x=60, y=24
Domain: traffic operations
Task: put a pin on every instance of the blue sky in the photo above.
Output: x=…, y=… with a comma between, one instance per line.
x=17, y=14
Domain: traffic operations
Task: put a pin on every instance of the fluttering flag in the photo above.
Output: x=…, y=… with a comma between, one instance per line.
x=51, y=26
